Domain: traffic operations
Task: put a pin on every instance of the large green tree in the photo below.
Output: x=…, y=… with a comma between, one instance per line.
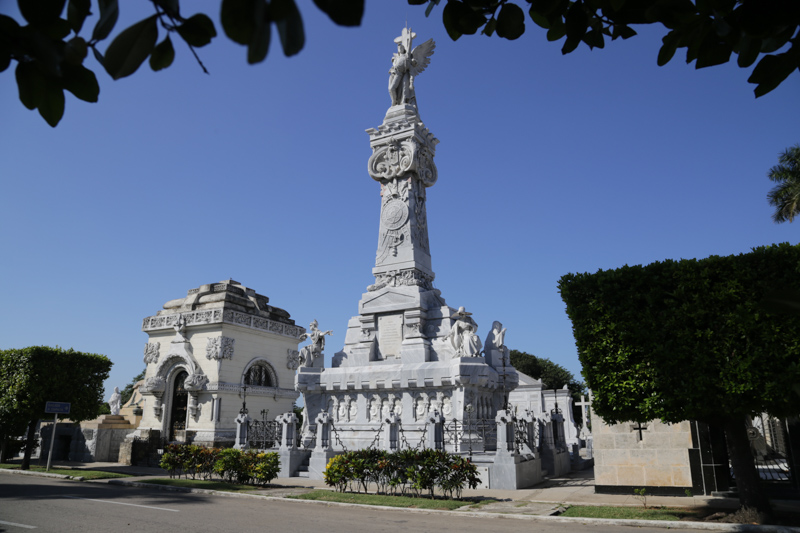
x=553, y=375
x=785, y=196
x=690, y=339
x=30, y=377
x=50, y=46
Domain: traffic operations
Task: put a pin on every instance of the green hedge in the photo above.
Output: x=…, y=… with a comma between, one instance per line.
x=229, y=464
x=411, y=472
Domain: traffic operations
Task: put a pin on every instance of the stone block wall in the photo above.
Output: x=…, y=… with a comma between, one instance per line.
x=659, y=461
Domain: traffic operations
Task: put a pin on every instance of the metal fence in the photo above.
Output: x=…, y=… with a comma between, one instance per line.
x=772, y=446
x=147, y=451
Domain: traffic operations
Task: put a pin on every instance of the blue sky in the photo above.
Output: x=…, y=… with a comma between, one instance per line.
x=548, y=164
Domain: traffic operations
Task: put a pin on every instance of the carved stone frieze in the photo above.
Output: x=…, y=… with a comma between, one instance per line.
x=151, y=352
x=396, y=278
x=218, y=316
x=218, y=348
x=393, y=158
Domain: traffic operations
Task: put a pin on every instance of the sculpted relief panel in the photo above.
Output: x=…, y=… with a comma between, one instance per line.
x=151, y=352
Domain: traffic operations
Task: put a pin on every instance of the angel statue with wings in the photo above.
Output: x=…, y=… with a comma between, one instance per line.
x=308, y=354
x=406, y=64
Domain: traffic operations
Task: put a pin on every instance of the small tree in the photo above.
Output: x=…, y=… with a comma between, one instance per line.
x=29, y=377
x=690, y=340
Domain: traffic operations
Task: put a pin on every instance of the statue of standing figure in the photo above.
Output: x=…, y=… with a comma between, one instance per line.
x=115, y=402
x=406, y=64
x=310, y=353
x=494, y=349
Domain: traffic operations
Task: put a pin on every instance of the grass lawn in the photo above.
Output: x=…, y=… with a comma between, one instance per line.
x=379, y=499
x=86, y=474
x=630, y=513
x=201, y=484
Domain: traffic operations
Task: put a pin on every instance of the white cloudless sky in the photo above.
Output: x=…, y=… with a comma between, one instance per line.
x=548, y=164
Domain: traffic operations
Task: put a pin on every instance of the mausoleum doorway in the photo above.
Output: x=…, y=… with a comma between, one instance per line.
x=178, y=405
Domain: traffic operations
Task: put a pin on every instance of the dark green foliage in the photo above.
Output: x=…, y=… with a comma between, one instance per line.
x=553, y=376
x=688, y=339
x=50, y=53
x=30, y=377
x=711, y=32
x=50, y=61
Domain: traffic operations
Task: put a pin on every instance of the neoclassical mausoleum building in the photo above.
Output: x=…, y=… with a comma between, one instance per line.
x=207, y=353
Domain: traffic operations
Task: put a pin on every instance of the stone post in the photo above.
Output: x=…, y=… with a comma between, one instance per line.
x=291, y=458
x=505, y=432
x=435, y=434
x=528, y=446
x=510, y=470
x=288, y=423
x=392, y=435
x=576, y=456
x=323, y=440
x=323, y=449
x=242, y=430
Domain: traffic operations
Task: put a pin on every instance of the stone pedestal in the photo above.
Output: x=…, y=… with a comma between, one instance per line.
x=319, y=462
x=291, y=459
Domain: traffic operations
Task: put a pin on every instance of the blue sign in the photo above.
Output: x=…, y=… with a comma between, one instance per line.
x=59, y=408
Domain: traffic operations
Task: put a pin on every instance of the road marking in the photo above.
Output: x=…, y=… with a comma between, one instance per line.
x=121, y=503
x=16, y=525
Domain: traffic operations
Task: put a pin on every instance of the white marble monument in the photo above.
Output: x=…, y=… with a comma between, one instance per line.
x=408, y=356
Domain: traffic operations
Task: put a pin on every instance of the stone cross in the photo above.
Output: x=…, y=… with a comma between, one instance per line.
x=583, y=404
x=640, y=428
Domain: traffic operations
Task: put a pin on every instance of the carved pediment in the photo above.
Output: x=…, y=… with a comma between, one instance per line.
x=388, y=300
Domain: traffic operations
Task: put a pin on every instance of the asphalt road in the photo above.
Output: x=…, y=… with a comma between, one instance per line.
x=28, y=502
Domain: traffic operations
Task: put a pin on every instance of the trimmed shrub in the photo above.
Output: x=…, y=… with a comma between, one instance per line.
x=406, y=471
x=231, y=465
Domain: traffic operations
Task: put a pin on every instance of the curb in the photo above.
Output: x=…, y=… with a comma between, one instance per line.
x=663, y=524
x=41, y=474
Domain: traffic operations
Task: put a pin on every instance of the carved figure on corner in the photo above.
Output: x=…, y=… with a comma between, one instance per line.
x=308, y=354
x=406, y=64
x=494, y=348
x=463, y=335
x=115, y=402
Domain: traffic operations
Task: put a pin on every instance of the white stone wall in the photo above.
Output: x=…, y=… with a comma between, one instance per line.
x=659, y=459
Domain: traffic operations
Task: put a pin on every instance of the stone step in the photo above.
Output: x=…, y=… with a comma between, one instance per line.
x=302, y=473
